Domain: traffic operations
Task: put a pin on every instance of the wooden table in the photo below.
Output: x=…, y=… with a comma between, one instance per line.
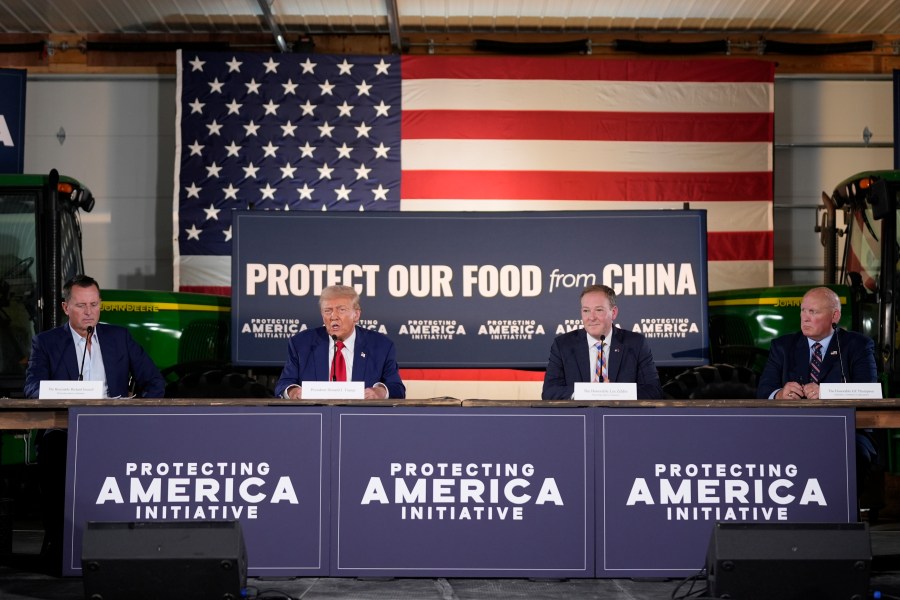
x=45, y=414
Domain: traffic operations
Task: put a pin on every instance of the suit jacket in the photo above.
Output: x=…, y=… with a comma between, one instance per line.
x=374, y=360
x=630, y=361
x=53, y=357
x=789, y=361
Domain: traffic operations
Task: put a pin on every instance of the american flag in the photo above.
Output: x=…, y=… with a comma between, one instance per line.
x=278, y=132
x=325, y=132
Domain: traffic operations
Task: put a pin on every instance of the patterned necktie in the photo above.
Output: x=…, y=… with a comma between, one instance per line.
x=600, y=372
x=338, y=366
x=815, y=364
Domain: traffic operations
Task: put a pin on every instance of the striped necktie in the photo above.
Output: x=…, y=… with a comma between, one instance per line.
x=815, y=364
x=600, y=371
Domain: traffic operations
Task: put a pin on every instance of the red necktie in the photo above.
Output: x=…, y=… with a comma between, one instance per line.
x=338, y=366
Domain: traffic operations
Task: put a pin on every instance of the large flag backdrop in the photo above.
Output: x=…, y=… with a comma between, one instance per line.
x=424, y=133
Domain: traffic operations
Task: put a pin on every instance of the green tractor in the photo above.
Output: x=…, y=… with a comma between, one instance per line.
x=40, y=249
x=742, y=323
x=187, y=335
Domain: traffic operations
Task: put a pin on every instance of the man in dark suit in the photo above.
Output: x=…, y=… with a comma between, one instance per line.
x=97, y=352
x=576, y=356
x=362, y=355
x=843, y=356
x=108, y=354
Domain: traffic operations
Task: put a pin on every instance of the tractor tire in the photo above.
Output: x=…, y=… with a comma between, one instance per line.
x=710, y=382
x=216, y=384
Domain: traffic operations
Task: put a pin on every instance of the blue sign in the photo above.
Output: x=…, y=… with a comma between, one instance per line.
x=480, y=290
x=671, y=474
x=12, y=120
x=463, y=492
x=267, y=468
x=467, y=492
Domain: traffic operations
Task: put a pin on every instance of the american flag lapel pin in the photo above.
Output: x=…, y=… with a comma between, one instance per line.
x=833, y=353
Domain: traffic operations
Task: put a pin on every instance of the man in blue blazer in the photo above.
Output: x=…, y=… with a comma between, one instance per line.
x=367, y=356
x=113, y=356
x=574, y=356
x=846, y=356
x=82, y=348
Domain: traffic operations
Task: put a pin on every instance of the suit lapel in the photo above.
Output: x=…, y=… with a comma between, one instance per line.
x=801, y=360
x=109, y=350
x=321, y=365
x=360, y=351
x=69, y=353
x=582, y=356
x=614, y=361
x=830, y=358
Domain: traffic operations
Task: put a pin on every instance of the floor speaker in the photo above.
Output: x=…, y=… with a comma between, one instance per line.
x=789, y=561
x=153, y=560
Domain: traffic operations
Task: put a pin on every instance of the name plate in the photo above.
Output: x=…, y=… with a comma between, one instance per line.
x=850, y=391
x=605, y=391
x=70, y=390
x=333, y=390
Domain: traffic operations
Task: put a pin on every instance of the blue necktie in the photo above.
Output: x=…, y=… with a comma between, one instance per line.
x=815, y=364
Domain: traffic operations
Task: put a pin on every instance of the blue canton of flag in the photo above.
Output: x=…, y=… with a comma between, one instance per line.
x=279, y=132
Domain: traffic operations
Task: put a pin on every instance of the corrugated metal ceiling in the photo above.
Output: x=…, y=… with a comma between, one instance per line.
x=85, y=17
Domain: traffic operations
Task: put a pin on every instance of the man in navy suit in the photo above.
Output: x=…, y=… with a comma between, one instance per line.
x=368, y=356
x=574, y=355
x=846, y=356
x=82, y=348
x=109, y=354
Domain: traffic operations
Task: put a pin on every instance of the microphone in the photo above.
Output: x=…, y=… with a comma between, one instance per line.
x=90, y=332
x=334, y=340
x=840, y=356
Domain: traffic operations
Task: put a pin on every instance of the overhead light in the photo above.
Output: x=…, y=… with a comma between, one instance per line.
x=273, y=26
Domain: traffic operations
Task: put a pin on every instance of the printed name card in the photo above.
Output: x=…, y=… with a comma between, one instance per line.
x=333, y=390
x=850, y=391
x=70, y=390
x=605, y=391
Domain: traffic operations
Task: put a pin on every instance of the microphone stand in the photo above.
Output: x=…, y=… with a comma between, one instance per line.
x=334, y=340
x=87, y=340
x=837, y=336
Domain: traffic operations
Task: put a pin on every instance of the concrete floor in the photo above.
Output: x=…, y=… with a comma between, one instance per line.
x=21, y=578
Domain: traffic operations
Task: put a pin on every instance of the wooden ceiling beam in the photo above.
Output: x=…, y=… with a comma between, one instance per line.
x=132, y=53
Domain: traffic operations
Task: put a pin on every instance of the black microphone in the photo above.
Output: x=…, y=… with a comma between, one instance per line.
x=840, y=356
x=334, y=338
x=90, y=332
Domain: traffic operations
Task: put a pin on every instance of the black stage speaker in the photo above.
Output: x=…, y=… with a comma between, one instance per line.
x=155, y=560
x=789, y=561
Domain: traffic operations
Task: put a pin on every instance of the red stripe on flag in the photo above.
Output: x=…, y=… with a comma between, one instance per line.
x=216, y=290
x=579, y=185
x=575, y=69
x=740, y=245
x=610, y=126
x=470, y=375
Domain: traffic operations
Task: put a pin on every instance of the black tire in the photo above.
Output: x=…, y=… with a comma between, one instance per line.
x=710, y=382
x=216, y=384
